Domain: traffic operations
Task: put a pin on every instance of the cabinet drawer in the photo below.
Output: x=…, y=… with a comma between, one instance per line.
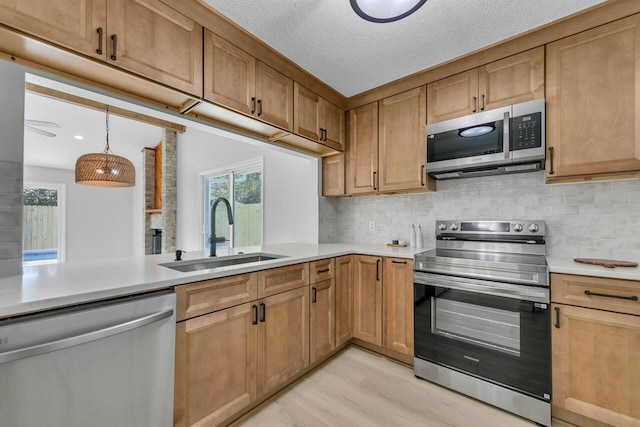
x=322, y=269
x=596, y=292
x=200, y=298
x=282, y=279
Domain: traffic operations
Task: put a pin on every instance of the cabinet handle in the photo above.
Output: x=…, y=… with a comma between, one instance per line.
x=259, y=107
x=323, y=134
x=326, y=270
x=99, y=49
x=313, y=295
x=557, y=325
x=114, y=55
x=551, y=160
x=374, y=181
x=593, y=294
x=255, y=314
x=398, y=262
x=264, y=312
x=253, y=105
x=475, y=104
x=482, y=104
x=377, y=270
x=422, y=175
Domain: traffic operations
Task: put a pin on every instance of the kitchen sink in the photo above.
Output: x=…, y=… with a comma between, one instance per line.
x=207, y=263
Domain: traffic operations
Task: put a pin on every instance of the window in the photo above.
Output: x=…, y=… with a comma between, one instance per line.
x=43, y=221
x=241, y=185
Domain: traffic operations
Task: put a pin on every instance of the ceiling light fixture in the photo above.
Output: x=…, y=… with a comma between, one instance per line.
x=385, y=10
x=105, y=169
x=78, y=137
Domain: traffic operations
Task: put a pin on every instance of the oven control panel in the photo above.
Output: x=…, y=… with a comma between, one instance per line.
x=514, y=227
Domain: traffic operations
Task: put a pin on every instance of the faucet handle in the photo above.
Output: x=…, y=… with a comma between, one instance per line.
x=179, y=253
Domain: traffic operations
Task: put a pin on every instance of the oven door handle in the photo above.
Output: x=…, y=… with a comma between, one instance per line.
x=506, y=290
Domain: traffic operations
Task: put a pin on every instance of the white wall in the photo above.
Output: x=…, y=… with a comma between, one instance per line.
x=290, y=187
x=100, y=221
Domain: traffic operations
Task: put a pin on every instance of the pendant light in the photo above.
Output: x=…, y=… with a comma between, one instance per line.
x=385, y=10
x=105, y=169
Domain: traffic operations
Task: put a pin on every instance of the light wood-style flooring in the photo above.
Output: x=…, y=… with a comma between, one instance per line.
x=357, y=388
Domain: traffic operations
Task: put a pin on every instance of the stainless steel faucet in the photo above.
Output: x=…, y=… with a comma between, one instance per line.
x=213, y=240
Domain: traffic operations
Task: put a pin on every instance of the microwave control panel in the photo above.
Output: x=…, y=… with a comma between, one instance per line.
x=526, y=131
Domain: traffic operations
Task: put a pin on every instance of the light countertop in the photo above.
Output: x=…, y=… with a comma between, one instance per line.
x=569, y=266
x=50, y=286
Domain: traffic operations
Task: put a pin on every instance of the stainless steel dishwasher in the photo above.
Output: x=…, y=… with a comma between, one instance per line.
x=101, y=364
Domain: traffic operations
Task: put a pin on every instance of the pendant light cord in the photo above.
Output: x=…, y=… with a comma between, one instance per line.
x=107, y=149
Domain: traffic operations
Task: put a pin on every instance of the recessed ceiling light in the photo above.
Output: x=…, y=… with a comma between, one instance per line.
x=385, y=10
x=79, y=137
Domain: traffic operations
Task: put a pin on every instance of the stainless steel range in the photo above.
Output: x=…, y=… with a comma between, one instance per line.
x=482, y=321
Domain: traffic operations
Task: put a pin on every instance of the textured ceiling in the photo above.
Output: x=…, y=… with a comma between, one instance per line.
x=328, y=39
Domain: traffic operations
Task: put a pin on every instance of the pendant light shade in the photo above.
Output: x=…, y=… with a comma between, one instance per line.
x=105, y=169
x=385, y=10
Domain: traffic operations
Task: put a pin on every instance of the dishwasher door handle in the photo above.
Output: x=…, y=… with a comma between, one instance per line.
x=48, y=347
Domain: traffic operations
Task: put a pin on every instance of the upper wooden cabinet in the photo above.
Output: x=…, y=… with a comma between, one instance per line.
x=401, y=142
x=333, y=171
x=515, y=79
x=145, y=37
x=362, y=149
x=317, y=119
x=235, y=79
x=593, y=101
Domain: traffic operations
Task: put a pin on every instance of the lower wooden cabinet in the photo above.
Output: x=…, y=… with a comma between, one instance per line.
x=344, y=299
x=367, y=301
x=398, y=305
x=596, y=374
x=283, y=338
x=216, y=361
x=322, y=335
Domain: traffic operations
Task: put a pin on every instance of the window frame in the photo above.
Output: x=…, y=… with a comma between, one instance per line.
x=256, y=163
x=61, y=188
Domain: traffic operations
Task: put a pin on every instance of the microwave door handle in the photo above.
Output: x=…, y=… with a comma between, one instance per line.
x=506, y=136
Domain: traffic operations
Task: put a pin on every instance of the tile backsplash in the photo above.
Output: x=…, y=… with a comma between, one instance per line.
x=10, y=218
x=592, y=219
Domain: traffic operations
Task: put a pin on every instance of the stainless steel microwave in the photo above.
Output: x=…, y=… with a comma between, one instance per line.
x=504, y=140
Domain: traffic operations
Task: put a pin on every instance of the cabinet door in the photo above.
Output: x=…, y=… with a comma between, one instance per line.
x=229, y=74
x=362, y=149
x=281, y=279
x=401, y=141
x=308, y=115
x=595, y=368
x=283, y=338
x=322, y=333
x=593, y=101
x=70, y=23
x=398, y=305
x=344, y=299
x=455, y=96
x=333, y=125
x=333, y=175
x=157, y=42
x=515, y=79
x=274, y=92
x=367, y=300
x=216, y=360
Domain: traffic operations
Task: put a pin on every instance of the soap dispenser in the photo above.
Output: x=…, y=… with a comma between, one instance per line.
x=419, y=237
x=412, y=237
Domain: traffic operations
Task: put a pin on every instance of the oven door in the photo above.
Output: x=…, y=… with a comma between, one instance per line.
x=471, y=141
x=495, y=331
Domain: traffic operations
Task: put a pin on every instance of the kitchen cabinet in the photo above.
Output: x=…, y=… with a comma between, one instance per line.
x=593, y=94
x=398, y=305
x=281, y=279
x=216, y=363
x=333, y=171
x=595, y=339
x=367, y=298
x=283, y=338
x=386, y=145
x=344, y=299
x=515, y=79
x=237, y=80
x=317, y=119
x=401, y=142
x=145, y=37
x=322, y=319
